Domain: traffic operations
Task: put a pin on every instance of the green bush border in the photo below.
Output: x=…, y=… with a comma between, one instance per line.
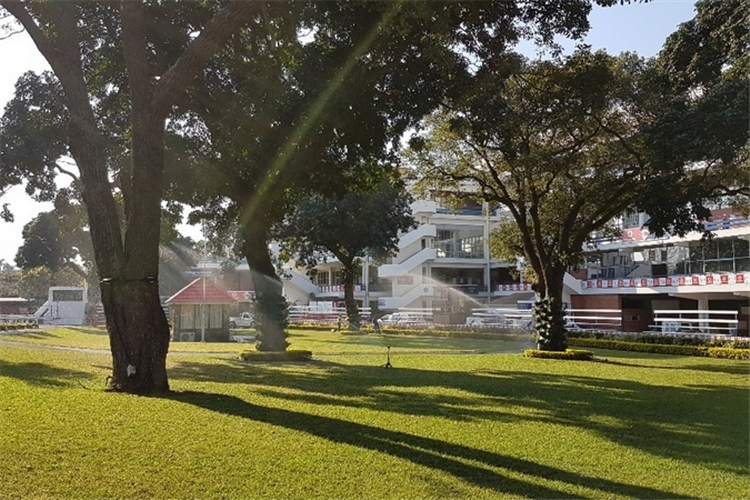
x=664, y=339
x=7, y=327
x=569, y=354
x=290, y=355
x=680, y=350
x=728, y=353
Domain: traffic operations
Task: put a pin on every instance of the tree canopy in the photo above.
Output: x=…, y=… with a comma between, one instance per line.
x=701, y=138
x=119, y=69
x=340, y=84
x=557, y=143
x=370, y=69
x=365, y=220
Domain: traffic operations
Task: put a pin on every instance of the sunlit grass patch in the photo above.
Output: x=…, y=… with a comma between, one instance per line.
x=447, y=421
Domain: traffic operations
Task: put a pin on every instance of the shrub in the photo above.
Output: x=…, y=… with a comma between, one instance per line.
x=728, y=353
x=619, y=345
x=665, y=338
x=680, y=350
x=7, y=327
x=570, y=354
x=290, y=355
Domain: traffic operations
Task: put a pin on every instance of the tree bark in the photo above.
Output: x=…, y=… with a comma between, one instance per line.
x=127, y=264
x=352, y=311
x=549, y=311
x=138, y=335
x=271, y=306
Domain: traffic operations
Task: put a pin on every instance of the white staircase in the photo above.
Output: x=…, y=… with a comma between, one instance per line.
x=423, y=231
x=300, y=281
x=419, y=258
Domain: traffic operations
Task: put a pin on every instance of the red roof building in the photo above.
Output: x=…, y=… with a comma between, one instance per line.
x=200, y=311
x=201, y=291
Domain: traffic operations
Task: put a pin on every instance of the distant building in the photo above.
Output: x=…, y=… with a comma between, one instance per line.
x=200, y=312
x=16, y=305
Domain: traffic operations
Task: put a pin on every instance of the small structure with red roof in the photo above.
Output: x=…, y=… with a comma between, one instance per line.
x=200, y=312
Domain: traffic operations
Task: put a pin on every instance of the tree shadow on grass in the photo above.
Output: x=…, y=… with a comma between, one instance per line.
x=428, y=344
x=41, y=374
x=732, y=367
x=478, y=467
x=700, y=424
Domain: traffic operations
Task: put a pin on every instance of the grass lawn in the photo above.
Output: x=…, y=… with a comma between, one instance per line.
x=453, y=419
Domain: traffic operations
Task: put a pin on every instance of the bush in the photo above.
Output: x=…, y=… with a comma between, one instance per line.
x=665, y=338
x=728, y=353
x=290, y=355
x=570, y=354
x=680, y=350
x=619, y=345
x=8, y=327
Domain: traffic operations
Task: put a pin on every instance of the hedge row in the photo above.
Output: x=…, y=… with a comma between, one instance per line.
x=6, y=327
x=569, y=354
x=680, y=350
x=665, y=339
x=290, y=355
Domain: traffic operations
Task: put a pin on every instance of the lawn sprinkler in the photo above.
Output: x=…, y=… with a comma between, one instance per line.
x=388, y=358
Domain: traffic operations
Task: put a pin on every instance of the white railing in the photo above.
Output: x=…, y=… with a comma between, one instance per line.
x=501, y=318
x=696, y=321
x=594, y=319
x=306, y=314
x=17, y=318
x=575, y=319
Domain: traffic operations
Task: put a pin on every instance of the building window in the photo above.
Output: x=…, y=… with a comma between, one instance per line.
x=631, y=221
x=741, y=248
x=187, y=317
x=336, y=277
x=215, y=316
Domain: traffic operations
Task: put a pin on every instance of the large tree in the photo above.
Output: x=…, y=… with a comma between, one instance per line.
x=557, y=143
x=115, y=51
x=364, y=219
x=139, y=57
x=342, y=93
x=701, y=137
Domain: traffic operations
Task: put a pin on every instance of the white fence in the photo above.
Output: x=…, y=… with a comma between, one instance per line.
x=696, y=321
x=594, y=319
x=306, y=314
x=575, y=319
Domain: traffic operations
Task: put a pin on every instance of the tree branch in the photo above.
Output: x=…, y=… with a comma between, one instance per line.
x=199, y=52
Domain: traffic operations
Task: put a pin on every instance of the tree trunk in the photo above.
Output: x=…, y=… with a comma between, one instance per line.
x=138, y=335
x=549, y=313
x=138, y=329
x=352, y=311
x=271, y=306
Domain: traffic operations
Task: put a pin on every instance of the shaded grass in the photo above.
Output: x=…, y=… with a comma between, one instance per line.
x=320, y=342
x=444, y=423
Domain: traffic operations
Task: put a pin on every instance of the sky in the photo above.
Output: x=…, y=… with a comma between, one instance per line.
x=638, y=27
